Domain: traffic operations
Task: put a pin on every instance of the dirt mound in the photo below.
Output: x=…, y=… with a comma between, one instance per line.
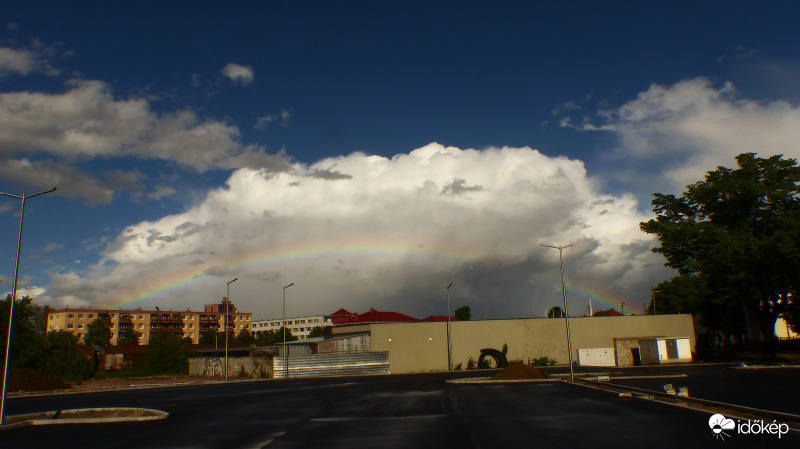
x=30, y=380
x=521, y=372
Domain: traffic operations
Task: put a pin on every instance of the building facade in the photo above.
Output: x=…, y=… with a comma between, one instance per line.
x=300, y=327
x=182, y=323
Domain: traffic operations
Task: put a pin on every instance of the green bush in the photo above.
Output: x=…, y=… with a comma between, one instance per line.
x=543, y=361
x=166, y=354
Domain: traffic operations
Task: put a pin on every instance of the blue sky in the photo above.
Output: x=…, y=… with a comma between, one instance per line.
x=371, y=152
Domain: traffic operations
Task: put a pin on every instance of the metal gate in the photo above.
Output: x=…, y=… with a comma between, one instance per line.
x=329, y=365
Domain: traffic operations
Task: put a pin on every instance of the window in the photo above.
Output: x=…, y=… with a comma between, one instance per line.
x=69, y=326
x=140, y=317
x=112, y=326
x=80, y=326
x=80, y=315
x=141, y=326
x=191, y=326
x=113, y=315
x=71, y=315
x=91, y=315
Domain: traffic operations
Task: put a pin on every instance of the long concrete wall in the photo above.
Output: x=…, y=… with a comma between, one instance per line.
x=422, y=347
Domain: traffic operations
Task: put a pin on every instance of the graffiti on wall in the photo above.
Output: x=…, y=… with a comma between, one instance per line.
x=212, y=366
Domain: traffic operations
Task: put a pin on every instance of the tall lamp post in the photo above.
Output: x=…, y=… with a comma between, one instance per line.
x=566, y=310
x=22, y=199
x=449, y=345
x=227, y=307
x=285, y=358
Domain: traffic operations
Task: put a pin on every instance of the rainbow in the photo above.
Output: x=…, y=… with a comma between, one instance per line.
x=175, y=282
x=198, y=275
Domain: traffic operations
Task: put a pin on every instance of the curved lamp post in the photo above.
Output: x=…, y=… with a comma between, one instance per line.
x=22, y=199
x=227, y=306
x=285, y=358
x=566, y=310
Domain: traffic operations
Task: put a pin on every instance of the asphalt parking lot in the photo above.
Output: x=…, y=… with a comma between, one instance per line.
x=396, y=411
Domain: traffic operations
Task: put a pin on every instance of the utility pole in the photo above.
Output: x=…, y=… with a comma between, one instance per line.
x=14, y=290
x=227, y=307
x=560, y=248
x=449, y=345
x=653, y=292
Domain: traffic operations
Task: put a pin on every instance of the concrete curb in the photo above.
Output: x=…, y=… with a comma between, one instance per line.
x=697, y=404
x=489, y=380
x=84, y=416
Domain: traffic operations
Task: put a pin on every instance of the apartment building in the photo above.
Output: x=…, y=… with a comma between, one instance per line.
x=182, y=323
x=300, y=327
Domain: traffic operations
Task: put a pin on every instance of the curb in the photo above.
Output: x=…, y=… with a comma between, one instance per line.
x=84, y=416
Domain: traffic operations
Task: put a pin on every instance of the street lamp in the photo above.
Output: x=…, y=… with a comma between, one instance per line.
x=449, y=345
x=14, y=290
x=285, y=358
x=566, y=310
x=227, y=306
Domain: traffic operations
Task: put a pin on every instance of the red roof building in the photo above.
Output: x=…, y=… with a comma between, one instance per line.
x=343, y=316
x=609, y=312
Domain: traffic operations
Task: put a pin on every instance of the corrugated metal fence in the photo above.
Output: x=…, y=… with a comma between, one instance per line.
x=339, y=364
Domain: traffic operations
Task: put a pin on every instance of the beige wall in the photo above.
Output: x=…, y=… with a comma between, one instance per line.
x=421, y=347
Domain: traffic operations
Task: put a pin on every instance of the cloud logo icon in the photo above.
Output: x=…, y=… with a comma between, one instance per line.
x=719, y=424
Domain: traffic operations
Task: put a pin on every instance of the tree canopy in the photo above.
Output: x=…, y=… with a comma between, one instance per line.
x=556, y=312
x=98, y=333
x=733, y=238
x=463, y=313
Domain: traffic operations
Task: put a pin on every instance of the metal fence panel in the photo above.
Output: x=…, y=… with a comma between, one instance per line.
x=341, y=364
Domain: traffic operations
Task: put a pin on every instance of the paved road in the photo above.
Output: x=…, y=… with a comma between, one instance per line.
x=415, y=411
x=770, y=389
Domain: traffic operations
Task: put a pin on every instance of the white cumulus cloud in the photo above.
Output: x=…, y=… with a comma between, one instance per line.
x=678, y=132
x=239, y=73
x=364, y=231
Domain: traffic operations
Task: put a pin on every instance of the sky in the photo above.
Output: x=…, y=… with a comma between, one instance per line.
x=372, y=153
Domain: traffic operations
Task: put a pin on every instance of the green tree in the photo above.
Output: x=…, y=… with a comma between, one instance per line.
x=273, y=337
x=736, y=233
x=63, y=361
x=28, y=341
x=98, y=333
x=463, y=313
x=316, y=332
x=211, y=337
x=555, y=312
x=244, y=337
x=166, y=354
x=129, y=336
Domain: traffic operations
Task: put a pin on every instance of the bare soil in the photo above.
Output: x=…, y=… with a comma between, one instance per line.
x=26, y=382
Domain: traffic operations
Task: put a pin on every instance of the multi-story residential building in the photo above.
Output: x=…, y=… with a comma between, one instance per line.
x=183, y=323
x=300, y=327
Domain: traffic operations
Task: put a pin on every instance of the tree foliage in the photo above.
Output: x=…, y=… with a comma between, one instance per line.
x=28, y=341
x=129, y=336
x=264, y=338
x=556, y=312
x=53, y=353
x=463, y=313
x=316, y=332
x=166, y=353
x=63, y=362
x=98, y=333
x=733, y=240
